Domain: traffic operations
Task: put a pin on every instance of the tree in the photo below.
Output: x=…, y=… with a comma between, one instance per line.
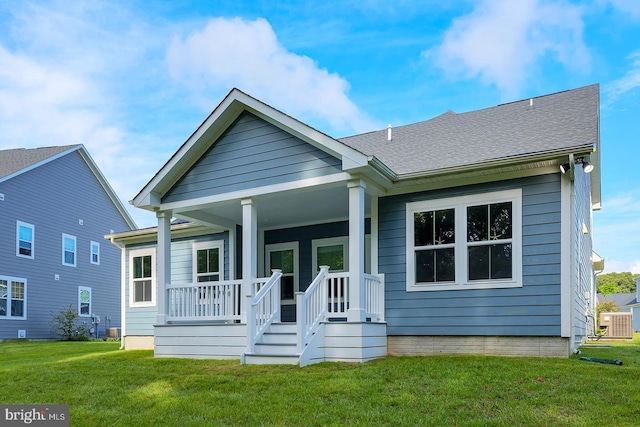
x=615, y=283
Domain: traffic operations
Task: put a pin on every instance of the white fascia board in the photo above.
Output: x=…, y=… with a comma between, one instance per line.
x=192, y=204
x=190, y=151
x=523, y=162
x=349, y=156
x=217, y=122
x=148, y=235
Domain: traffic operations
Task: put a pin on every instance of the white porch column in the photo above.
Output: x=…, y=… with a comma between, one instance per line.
x=249, y=250
x=356, y=312
x=163, y=265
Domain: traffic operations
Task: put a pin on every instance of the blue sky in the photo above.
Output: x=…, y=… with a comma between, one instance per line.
x=131, y=80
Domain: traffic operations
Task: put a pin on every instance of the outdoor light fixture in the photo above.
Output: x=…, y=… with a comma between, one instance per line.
x=586, y=166
x=565, y=167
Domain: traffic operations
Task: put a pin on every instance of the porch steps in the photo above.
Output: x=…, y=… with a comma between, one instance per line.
x=278, y=345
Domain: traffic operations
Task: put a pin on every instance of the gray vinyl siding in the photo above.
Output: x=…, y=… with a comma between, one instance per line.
x=252, y=153
x=140, y=320
x=54, y=197
x=533, y=309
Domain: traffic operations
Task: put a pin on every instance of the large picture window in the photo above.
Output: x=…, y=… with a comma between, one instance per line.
x=13, y=298
x=142, y=272
x=465, y=242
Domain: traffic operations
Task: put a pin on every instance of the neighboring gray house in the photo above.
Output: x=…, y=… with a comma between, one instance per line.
x=56, y=207
x=627, y=303
x=466, y=233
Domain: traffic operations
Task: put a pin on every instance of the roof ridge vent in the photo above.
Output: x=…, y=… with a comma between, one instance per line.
x=389, y=138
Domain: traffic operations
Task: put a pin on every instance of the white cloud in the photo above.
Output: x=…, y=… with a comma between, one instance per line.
x=62, y=87
x=615, y=266
x=500, y=42
x=627, y=83
x=248, y=55
x=631, y=7
x=615, y=238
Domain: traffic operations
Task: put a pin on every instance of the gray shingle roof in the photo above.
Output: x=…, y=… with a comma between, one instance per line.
x=543, y=124
x=621, y=300
x=15, y=160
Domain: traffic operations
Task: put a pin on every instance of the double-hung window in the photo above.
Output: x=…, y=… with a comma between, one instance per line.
x=208, y=260
x=84, y=301
x=68, y=250
x=142, y=292
x=24, y=239
x=13, y=298
x=465, y=242
x=95, y=253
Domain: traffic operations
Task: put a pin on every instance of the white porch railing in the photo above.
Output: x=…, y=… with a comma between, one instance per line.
x=218, y=301
x=263, y=308
x=311, y=307
x=374, y=297
x=328, y=298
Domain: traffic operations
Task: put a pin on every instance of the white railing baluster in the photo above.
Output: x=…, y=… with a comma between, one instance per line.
x=216, y=301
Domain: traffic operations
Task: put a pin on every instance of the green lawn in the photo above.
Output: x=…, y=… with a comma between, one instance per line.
x=104, y=386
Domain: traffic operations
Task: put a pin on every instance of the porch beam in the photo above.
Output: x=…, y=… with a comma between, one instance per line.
x=356, y=312
x=249, y=250
x=163, y=265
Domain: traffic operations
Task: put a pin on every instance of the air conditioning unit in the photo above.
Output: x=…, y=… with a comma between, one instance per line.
x=619, y=325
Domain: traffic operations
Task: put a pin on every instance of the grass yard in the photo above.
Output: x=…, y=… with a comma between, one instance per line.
x=104, y=386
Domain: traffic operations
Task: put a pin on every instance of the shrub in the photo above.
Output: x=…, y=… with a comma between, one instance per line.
x=66, y=325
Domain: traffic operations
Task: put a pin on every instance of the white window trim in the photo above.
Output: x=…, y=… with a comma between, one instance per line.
x=91, y=245
x=75, y=250
x=33, y=238
x=208, y=245
x=460, y=204
x=10, y=279
x=331, y=241
x=80, y=289
x=139, y=253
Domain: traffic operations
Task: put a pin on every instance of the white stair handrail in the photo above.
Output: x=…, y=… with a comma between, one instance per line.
x=263, y=309
x=311, y=307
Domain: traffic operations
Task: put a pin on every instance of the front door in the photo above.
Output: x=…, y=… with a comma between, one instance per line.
x=284, y=256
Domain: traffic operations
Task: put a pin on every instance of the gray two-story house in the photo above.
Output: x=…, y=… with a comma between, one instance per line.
x=56, y=207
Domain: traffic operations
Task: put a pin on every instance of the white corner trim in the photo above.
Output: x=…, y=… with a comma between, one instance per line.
x=566, y=255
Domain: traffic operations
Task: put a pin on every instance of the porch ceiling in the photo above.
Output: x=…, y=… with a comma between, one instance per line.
x=281, y=210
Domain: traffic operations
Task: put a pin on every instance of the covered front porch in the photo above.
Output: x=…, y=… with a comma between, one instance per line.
x=280, y=303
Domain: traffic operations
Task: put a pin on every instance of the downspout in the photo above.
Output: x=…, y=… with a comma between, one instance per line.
x=122, y=290
x=593, y=311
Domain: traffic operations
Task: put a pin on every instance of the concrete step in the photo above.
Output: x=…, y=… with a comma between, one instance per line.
x=270, y=359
